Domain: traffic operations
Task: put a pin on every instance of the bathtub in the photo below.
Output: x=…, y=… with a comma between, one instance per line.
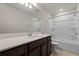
x=68, y=44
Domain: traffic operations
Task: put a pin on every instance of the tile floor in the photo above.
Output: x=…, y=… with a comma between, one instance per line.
x=63, y=53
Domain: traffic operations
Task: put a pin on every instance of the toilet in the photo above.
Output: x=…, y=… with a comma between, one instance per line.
x=54, y=46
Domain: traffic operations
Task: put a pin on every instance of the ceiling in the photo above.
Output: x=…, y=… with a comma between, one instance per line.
x=52, y=8
x=34, y=11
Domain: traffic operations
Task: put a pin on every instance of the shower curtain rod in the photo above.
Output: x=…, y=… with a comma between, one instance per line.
x=66, y=14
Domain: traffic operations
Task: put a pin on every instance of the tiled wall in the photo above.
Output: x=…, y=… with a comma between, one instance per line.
x=63, y=25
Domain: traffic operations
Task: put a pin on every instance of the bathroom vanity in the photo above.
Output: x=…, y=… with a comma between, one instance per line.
x=36, y=45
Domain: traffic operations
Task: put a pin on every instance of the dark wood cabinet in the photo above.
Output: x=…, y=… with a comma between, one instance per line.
x=49, y=46
x=44, y=49
x=17, y=51
x=34, y=44
x=35, y=52
x=40, y=47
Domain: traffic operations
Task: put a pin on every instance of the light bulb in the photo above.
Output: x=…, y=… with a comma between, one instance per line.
x=30, y=6
x=60, y=9
x=26, y=4
x=34, y=4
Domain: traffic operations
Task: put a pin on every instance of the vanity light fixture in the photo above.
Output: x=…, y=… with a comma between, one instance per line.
x=30, y=6
x=26, y=4
x=34, y=4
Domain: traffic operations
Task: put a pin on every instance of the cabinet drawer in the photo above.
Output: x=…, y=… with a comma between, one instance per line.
x=17, y=51
x=37, y=43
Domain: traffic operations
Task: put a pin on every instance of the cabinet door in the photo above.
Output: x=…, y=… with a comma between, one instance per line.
x=49, y=47
x=44, y=49
x=17, y=51
x=35, y=52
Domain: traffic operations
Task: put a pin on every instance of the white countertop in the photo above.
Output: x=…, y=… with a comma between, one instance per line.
x=16, y=41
